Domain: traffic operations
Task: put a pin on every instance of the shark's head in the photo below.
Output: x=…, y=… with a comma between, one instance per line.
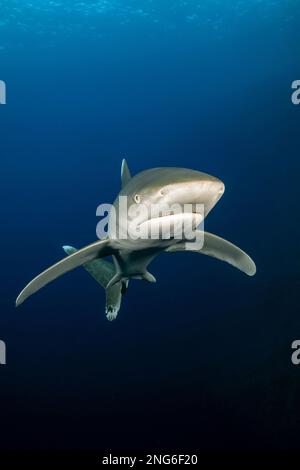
x=195, y=192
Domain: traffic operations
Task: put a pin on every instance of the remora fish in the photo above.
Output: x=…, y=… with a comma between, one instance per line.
x=132, y=256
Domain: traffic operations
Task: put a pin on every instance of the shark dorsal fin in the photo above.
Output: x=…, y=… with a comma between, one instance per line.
x=125, y=173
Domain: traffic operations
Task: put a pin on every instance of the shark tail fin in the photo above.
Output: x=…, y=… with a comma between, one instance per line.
x=103, y=271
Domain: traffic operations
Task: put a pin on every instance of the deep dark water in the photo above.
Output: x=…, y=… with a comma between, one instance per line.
x=201, y=360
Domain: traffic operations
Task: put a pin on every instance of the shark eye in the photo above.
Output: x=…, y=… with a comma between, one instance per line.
x=137, y=198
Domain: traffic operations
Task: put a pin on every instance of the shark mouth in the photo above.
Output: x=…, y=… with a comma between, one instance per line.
x=179, y=226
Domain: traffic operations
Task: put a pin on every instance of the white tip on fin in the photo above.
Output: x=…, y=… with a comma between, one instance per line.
x=69, y=249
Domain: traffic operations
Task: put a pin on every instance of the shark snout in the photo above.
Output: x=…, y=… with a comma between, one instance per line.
x=205, y=191
x=210, y=192
x=220, y=189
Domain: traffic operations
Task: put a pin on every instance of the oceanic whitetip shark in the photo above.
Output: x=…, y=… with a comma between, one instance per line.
x=132, y=256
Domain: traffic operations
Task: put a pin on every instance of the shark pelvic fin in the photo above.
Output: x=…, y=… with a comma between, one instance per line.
x=148, y=277
x=125, y=173
x=122, y=277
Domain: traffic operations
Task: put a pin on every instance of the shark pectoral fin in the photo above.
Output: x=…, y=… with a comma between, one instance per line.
x=125, y=173
x=95, y=250
x=221, y=249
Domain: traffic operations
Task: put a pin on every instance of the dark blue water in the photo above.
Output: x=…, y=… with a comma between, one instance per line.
x=201, y=360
